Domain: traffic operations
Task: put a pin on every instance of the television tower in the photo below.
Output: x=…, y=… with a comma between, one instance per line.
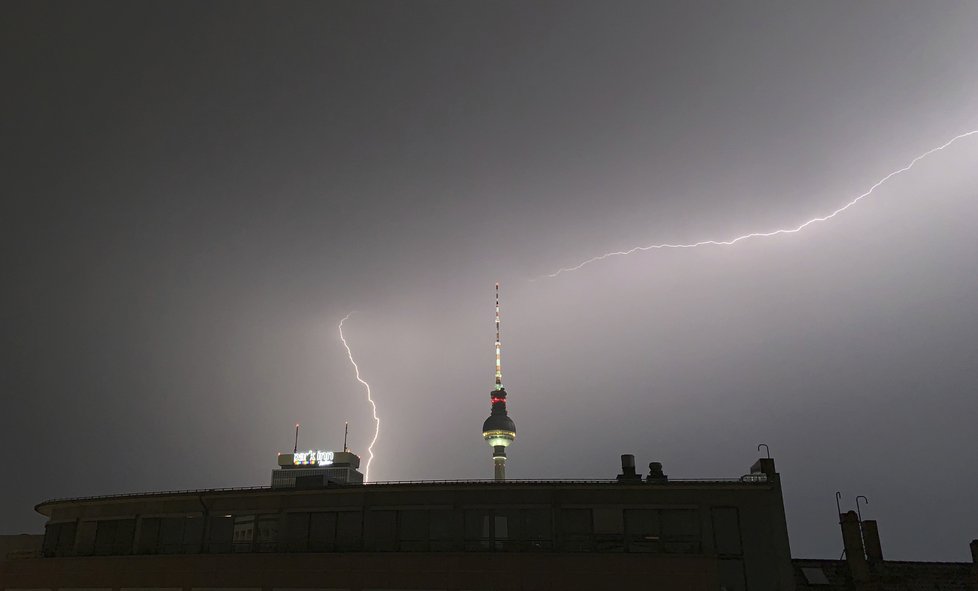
x=499, y=430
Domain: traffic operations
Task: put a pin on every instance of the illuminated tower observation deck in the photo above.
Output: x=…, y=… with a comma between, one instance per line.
x=499, y=430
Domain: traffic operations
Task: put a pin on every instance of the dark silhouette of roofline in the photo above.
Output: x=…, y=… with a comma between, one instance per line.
x=750, y=480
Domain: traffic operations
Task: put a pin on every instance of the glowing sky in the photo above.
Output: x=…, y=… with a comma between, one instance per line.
x=196, y=194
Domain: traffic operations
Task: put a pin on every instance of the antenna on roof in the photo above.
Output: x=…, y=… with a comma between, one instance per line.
x=295, y=448
x=346, y=431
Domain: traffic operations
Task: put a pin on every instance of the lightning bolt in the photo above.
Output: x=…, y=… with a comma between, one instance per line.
x=373, y=405
x=790, y=230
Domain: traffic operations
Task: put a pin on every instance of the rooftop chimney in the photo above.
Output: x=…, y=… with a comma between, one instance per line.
x=871, y=538
x=856, y=559
x=764, y=466
x=628, y=468
x=974, y=558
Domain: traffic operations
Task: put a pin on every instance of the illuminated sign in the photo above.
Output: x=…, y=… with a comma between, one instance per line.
x=312, y=458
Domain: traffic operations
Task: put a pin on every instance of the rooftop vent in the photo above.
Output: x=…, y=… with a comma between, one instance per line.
x=628, y=469
x=655, y=473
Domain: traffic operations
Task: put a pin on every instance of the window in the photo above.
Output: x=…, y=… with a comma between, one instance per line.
x=500, y=527
x=444, y=529
x=59, y=539
x=662, y=530
x=680, y=530
x=608, y=530
x=114, y=536
x=147, y=540
x=436, y=530
x=642, y=530
x=413, y=530
x=726, y=531
x=349, y=531
x=478, y=529
x=267, y=533
x=576, y=532
x=538, y=529
x=815, y=576
x=322, y=532
x=507, y=529
x=193, y=534
x=169, y=535
x=85, y=542
x=381, y=531
x=220, y=531
x=244, y=533
x=296, y=535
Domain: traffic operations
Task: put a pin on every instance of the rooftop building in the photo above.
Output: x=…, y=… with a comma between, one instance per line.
x=309, y=469
x=642, y=531
x=683, y=534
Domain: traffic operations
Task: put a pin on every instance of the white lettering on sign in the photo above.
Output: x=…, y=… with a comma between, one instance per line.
x=312, y=458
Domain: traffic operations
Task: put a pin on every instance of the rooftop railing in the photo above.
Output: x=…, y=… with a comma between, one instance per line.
x=746, y=479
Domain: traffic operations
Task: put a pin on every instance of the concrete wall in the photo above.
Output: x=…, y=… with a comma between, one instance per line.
x=356, y=571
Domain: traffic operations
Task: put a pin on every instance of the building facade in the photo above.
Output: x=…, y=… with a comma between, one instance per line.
x=652, y=532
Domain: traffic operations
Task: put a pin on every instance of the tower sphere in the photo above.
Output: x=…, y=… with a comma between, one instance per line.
x=499, y=429
x=499, y=423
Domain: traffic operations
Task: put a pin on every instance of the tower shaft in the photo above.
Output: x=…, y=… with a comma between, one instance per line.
x=500, y=469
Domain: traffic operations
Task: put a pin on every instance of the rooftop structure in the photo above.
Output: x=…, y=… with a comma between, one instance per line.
x=864, y=569
x=309, y=469
x=316, y=468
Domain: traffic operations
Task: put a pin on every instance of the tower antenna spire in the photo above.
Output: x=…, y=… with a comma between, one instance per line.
x=499, y=367
x=498, y=430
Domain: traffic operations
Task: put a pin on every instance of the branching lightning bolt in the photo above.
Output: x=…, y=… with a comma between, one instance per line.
x=373, y=405
x=790, y=230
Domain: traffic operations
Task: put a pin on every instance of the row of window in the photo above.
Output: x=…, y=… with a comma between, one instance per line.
x=405, y=530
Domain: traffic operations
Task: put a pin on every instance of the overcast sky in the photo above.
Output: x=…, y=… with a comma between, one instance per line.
x=195, y=193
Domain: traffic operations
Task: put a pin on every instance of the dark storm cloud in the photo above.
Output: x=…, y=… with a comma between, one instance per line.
x=195, y=194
